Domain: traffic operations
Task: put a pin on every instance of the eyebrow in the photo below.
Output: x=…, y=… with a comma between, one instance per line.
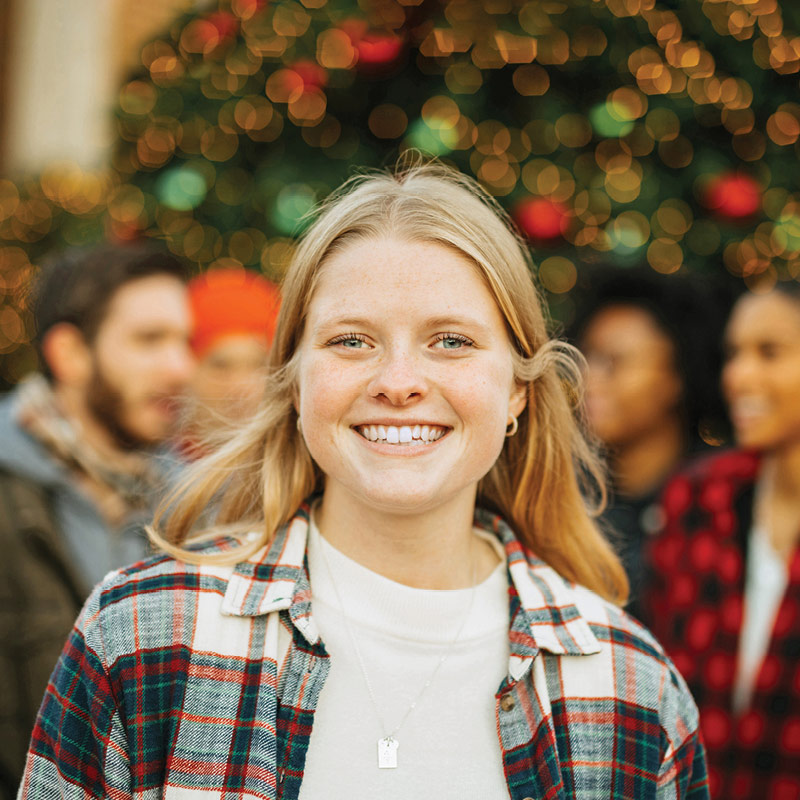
x=432, y=322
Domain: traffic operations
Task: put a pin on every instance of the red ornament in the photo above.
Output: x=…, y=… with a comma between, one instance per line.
x=377, y=50
x=226, y=24
x=210, y=34
x=541, y=218
x=734, y=195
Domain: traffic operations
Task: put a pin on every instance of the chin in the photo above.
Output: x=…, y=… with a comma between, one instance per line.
x=605, y=432
x=148, y=436
x=403, y=502
x=402, y=499
x=755, y=441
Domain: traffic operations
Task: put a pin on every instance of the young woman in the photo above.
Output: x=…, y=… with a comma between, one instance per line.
x=727, y=599
x=365, y=629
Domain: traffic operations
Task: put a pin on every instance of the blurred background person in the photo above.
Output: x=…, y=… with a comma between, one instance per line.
x=652, y=343
x=77, y=474
x=726, y=602
x=233, y=313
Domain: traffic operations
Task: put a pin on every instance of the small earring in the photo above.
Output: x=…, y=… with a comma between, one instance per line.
x=512, y=427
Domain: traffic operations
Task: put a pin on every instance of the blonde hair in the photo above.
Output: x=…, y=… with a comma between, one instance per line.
x=541, y=484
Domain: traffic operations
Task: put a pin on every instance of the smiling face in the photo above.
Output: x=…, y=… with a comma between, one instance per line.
x=761, y=378
x=405, y=380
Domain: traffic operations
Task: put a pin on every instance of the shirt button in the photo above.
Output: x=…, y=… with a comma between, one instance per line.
x=507, y=702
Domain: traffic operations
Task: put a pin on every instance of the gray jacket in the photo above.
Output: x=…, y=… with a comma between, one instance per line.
x=54, y=546
x=93, y=547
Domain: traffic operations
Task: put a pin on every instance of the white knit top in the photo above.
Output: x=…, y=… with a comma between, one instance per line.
x=448, y=745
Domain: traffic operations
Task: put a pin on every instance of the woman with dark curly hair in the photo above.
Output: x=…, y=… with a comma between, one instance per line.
x=653, y=347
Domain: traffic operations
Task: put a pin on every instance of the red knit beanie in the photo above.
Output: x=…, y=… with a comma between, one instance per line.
x=232, y=301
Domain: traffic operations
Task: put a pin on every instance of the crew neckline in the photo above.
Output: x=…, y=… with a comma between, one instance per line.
x=377, y=603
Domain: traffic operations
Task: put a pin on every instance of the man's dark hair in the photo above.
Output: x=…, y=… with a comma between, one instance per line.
x=77, y=285
x=691, y=310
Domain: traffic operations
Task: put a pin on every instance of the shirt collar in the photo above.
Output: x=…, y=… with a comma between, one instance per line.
x=542, y=605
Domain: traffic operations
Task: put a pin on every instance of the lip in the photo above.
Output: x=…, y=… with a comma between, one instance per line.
x=400, y=451
x=742, y=420
x=398, y=423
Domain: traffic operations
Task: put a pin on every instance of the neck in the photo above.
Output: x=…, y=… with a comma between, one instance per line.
x=787, y=473
x=781, y=501
x=434, y=549
x=640, y=466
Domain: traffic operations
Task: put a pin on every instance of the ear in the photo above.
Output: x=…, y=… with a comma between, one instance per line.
x=67, y=355
x=518, y=399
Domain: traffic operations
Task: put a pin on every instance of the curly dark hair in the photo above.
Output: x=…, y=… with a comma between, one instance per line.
x=691, y=310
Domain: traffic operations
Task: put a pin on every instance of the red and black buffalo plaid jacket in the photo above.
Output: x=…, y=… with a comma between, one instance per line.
x=696, y=606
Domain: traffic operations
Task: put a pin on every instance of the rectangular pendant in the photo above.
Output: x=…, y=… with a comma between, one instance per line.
x=387, y=753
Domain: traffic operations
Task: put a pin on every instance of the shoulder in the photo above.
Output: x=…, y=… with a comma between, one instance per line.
x=613, y=626
x=732, y=466
x=21, y=454
x=711, y=481
x=161, y=572
x=644, y=676
x=155, y=603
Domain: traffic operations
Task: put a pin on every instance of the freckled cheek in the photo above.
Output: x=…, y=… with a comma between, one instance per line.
x=482, y=403
x=326, y=393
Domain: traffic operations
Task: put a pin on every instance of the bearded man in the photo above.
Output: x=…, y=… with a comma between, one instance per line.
x=79, y=473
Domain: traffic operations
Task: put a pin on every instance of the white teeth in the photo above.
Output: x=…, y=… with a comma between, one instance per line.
x=402, y=435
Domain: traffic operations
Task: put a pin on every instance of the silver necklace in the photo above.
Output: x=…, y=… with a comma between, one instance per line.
x=387, y=743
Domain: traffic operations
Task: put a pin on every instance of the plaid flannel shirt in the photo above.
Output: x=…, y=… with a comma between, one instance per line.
x=189, y=682
x=697, y=603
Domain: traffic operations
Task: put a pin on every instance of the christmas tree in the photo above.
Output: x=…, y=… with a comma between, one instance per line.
x=619, y=131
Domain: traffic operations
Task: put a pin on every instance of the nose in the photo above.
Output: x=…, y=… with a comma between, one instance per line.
x=597, y=370
x=399, y=378
x=179, y=363
x=738, y=374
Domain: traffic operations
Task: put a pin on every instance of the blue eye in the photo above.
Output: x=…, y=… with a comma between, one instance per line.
x=452, y=341
x=350, y=341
